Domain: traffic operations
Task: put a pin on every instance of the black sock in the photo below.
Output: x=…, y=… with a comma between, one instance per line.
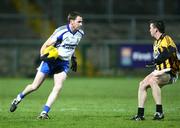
x=140, y=111
x=159, y=108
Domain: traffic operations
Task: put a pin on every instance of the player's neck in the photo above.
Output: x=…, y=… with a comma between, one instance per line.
x=158, y=36
x=72, y=28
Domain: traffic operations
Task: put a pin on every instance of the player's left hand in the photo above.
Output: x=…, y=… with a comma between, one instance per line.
x=46, y=58
x=73, y=64
x=160, y=72
x=50, y=54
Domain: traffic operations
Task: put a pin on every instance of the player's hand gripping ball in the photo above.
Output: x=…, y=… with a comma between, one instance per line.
x=49, y=54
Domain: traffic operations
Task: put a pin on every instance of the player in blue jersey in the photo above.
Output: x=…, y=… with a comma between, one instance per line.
x=56, y=53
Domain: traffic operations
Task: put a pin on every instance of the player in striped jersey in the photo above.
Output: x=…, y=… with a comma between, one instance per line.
x=56, y=53
x=166, y=71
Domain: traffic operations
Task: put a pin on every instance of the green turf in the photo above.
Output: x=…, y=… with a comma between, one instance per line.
x=87, y=103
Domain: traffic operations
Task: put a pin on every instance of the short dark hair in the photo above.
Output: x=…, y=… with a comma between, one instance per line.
x=72, y=15
x=159, y=24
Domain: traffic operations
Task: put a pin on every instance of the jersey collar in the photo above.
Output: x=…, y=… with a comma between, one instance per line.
x=161, y=37
x=69, y=29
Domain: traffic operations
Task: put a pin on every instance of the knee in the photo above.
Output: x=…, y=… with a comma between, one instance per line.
x=152, y=81
x=143, y=85
x=33, y=87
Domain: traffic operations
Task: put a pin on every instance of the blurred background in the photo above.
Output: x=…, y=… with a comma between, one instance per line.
x=116, y=42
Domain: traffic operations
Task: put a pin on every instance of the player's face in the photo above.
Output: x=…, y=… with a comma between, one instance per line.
x=152, y=30
x=77, y=23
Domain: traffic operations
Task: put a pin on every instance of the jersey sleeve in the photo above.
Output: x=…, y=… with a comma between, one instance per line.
x=81, y=32
x=54, y=36
x=167, y=41
x=57, y=33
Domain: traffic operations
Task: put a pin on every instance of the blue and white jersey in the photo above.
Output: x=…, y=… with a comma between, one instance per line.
x=66, y=41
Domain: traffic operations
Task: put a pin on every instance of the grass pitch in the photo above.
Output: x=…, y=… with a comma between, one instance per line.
x=87, y=103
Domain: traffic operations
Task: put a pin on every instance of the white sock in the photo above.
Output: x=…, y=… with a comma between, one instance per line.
x=18, y=98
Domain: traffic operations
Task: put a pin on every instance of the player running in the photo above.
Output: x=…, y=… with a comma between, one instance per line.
x=56, y=53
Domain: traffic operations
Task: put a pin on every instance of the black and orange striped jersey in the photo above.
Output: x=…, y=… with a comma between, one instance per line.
x=165, y=52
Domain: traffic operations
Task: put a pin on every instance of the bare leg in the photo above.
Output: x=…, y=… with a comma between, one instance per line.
x=58, y=83
x=142, y=91
x=156, y=85
x=142, y=95
x=38, y=80
x=155, y=80
x=156, y=92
